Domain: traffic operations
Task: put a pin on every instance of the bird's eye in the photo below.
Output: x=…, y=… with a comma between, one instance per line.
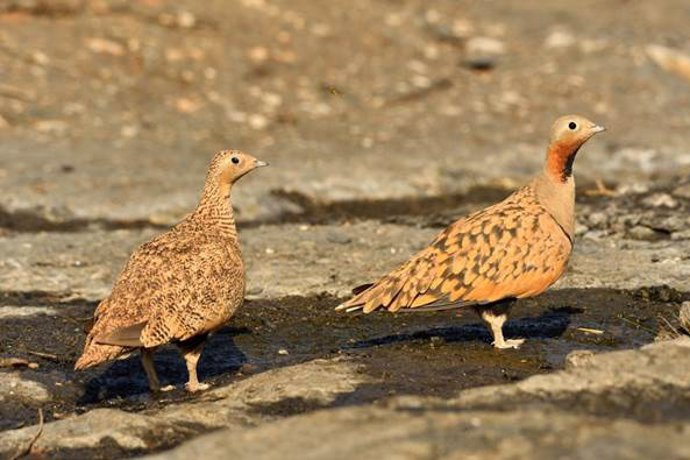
x=235, y=160
x=572, y=125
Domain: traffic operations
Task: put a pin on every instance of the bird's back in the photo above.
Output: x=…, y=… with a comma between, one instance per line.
x=512, y=249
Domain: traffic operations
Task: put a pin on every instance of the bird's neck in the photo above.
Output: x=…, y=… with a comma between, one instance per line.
x=215, y=209
x=559, y=160
x=555, y=186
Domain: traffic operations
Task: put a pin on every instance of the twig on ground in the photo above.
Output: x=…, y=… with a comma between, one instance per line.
x=670, y=326
x=30, y=445
x=50, y=356
x=637, y=324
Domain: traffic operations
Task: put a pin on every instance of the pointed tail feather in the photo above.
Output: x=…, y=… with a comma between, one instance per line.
x=95, y=354
x=361, y=288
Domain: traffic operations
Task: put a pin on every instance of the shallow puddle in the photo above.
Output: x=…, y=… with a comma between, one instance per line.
x=435, y=354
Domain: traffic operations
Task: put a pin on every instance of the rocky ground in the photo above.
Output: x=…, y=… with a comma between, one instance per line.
x=383, y=121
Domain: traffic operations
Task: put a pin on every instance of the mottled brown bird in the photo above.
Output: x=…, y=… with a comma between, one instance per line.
x=511, y=250
x=180, y=286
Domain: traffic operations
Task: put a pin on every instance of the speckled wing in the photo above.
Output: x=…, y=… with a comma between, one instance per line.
x=211, y=286
x=172, y=289
x=513, y=249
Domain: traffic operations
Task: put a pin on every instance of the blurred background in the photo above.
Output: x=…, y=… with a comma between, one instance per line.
x=111, y=109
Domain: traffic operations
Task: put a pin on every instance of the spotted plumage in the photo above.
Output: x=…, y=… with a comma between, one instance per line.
x=511, y=250
x=180, y=286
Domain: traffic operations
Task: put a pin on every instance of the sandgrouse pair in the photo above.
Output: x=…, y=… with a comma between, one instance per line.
x=188, y=282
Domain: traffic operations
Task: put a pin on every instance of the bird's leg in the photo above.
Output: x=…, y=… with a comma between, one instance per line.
x=191, y=351
x=495, y=316
x=150, y=369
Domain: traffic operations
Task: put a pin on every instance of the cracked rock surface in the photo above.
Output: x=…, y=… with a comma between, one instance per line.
x=383, y=122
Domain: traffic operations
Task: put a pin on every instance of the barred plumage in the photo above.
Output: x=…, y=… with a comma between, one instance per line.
x=180, y=286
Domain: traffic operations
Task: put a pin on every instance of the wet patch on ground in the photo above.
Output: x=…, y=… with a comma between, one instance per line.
x=434, y=354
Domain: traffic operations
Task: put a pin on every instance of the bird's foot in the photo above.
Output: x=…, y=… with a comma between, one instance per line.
x=511, y=343
x=193, y=388
x=167, y=388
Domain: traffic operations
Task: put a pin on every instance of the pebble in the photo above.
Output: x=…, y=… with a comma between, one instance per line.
x=485, y=46
x=578, y=358
x=338, y=237
x=257, y=121
x=597, y=219
x=683, y=191
x=660, y=200
x=258, y=54
x=559, y=39
x=640, y=232
x=103, y=46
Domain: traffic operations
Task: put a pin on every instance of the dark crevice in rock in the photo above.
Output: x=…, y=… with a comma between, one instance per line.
x=26, y=221
x=391, y=210
x=622, y=212
x=41, y=299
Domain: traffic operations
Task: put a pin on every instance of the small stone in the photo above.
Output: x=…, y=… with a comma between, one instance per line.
x=421, y=81
x=578, y=358
x=432, y=16
x=674, y=223
x=683, y=191
x=283, y=352
x=40, y=58
x=595, y=234
x=258, y=54
x=597, y=219
x=272, y=100
x=580, y=229
x=437, y=341
x=129, y=131
x=257, y=121
x=13, y=387
x=186, y=20
x=683, y=235
x=462, y=28
x=104, y=46
x=338, y=237
x=559, y=39
x=640, y=232
x=187, y=105
x=660, y=200
x=485, y=46
x=321, y=30
x=51, y=126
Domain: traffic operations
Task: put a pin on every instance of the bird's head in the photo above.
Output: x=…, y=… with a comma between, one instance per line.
x=229, y=165
x=573, y=131
x=567, y=136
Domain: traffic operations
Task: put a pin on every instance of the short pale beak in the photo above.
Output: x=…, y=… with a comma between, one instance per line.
x=598, y=129
x=260, y=164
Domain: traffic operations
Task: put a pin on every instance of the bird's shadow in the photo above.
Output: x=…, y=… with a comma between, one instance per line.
x=126, y=377
x=549, y=324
